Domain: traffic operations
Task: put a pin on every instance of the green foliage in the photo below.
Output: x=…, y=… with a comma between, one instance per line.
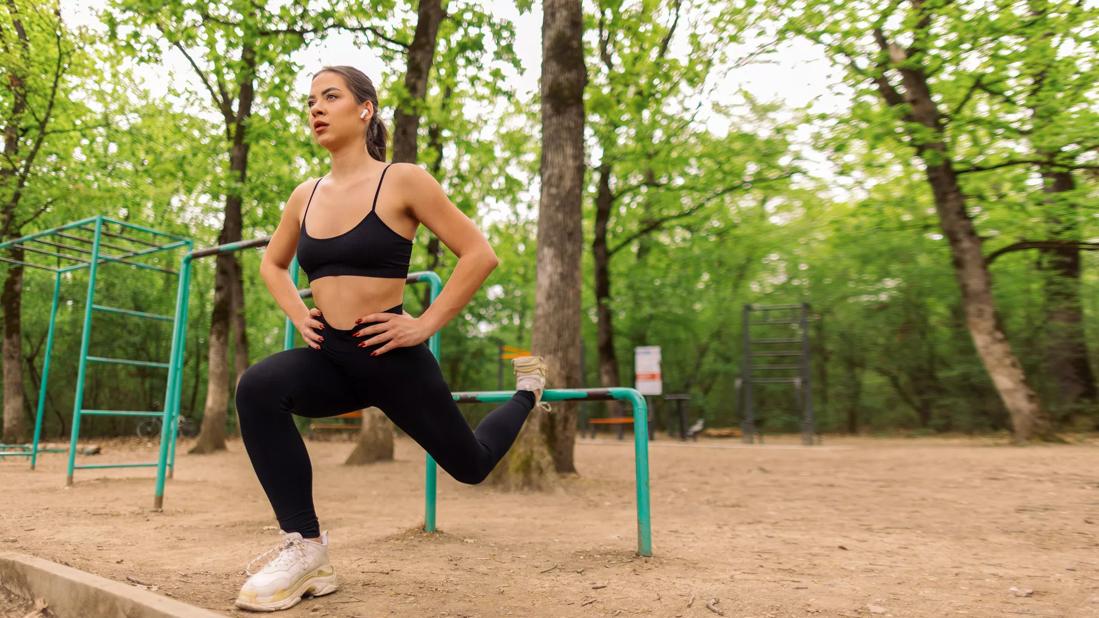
x=704, y=220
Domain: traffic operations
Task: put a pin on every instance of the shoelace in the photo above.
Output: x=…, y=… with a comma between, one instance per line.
x=288, y=550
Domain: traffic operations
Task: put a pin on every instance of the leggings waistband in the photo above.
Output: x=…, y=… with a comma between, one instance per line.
x=347, y=331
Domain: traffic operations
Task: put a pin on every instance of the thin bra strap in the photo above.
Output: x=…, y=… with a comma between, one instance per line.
x=379, y=190
x=315, y=185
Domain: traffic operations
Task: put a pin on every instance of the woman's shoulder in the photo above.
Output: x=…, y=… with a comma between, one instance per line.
x=409, y=175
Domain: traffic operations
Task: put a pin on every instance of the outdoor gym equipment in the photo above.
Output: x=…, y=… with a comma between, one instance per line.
x=127, y=243
x=786, y=345
x=640, y=409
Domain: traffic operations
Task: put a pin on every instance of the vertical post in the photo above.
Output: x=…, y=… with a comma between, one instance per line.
x=808, y=425
x=175, y=377
x=430, y=469
x=641, y=471
x=174, y=421
x=682, y=420
x=500, y=366
x=85, y=340
x=748, y=422
x=288, y=335
x=45, y=371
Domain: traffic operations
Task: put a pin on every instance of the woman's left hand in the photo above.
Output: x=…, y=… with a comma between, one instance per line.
x=396, y=330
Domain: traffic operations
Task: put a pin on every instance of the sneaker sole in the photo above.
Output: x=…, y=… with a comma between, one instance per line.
x=318, y=583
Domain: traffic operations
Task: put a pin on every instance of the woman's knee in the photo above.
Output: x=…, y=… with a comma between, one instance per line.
x=470, y=473
x=257, y=388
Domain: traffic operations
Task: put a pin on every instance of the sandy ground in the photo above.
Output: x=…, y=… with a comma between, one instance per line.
x=927, y=527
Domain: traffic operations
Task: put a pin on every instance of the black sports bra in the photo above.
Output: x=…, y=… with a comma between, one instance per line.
x=370, y=249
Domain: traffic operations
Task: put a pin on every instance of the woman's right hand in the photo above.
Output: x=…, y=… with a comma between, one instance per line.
x=310, y=328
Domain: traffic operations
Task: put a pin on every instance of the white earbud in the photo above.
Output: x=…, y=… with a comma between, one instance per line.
x=363, y=114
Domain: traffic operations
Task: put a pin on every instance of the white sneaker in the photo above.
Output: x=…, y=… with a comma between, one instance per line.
x=530, y=375
x=300, y=567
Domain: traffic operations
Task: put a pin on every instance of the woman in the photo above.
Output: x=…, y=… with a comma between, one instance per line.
x=363, y=350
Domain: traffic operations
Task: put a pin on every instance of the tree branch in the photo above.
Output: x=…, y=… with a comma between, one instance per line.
x=1060, y=166
x=654, y=224
x=1042, y=244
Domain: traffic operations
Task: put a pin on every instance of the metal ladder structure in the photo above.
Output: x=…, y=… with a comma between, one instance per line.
x=776, y=351
x=89, y=243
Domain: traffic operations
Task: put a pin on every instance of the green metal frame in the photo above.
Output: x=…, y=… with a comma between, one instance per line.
x=166, y=461
x=74, y=259
x=640, y=446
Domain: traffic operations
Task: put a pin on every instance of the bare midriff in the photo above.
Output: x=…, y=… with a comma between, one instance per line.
x=343, y=299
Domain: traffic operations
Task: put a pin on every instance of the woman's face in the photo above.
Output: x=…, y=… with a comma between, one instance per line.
x=333, y=112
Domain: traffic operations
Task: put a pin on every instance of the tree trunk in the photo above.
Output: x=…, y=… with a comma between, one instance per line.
x=238, y=324
x=557, y=318
x=15, y=425
x=1065, y=350
x=211, y=437
x=608, y=359
x=982, y=318
x=421, y=55
x=375, y=440
x=376, y=437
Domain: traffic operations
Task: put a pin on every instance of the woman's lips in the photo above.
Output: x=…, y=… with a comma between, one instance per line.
x=319, y=128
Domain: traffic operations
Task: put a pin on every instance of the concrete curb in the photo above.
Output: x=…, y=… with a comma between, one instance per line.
x=71, y=592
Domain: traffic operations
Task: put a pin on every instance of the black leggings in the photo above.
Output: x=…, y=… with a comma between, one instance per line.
x=405, y=383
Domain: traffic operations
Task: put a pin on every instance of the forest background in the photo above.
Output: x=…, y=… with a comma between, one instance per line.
x=700, y=194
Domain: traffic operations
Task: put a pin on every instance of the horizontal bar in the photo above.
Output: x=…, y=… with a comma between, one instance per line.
x=133, y=465
x=776, y=353
x=30, y=264
x=44, y=252
x=777, y=340
x=230, y=247
x=136, y=314
x=156, y=249
x=15, y=453
x=74, y=224
x=776, y=367
x=91, y=241
x=105, y=258
x=587, y=394
x=134, y=226
x=127, y=361
x=776, y=380
x=122, y=412
x=785, y=307
x=766, y=322
x=57, y=244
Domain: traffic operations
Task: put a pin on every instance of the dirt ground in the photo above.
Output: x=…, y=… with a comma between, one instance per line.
x=856, y=527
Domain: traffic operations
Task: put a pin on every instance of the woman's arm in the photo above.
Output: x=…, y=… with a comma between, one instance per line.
x=275, y=268
x=476, y=259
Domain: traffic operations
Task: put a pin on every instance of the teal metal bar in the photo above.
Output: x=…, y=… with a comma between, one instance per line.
x=121, y=465
x=430, y=469
x=85, y=340
x=134, y=226
x=173, y=428
x=67, y=226
x=104, y=258
x=126, y=361
x=45, y=370
x=288, y=336
x=29, y=265
x=121, y=413
x=640, y=440
x=131, y=312
x=175, y=376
